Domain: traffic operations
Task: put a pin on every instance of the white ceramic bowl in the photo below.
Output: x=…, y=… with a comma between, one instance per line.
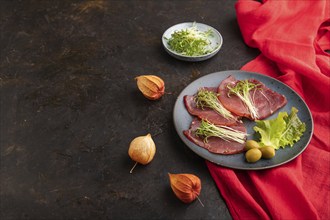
x=216, y=41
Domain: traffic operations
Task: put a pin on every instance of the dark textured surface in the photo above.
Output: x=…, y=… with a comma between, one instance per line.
x=70, y=107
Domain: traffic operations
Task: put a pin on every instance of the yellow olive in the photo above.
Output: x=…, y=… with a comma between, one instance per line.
x=253, y=155
x=250, y=144
x=267, y=152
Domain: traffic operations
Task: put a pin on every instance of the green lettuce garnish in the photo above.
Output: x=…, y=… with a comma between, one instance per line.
x=282, y=131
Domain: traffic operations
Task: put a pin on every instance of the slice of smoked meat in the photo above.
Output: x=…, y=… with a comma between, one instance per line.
x=264, y=99
x=215, y=144
x=207, y=113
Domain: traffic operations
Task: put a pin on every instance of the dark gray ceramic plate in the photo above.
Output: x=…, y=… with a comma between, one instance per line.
x=182, y=120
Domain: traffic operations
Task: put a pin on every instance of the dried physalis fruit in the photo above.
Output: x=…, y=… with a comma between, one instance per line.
x=142, y=150
x=151, y=86
x=186, y=187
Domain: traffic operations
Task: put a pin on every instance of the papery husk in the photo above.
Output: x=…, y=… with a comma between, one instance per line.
x=142, y=149
x=185, y=186
x=151, y=86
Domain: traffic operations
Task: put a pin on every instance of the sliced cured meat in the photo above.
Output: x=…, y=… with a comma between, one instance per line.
x=232, y=103
x=207, y=113
x=264, y=99
x=214, y=144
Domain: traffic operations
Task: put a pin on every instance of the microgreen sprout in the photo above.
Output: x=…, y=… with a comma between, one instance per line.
x=242, y=90
x=207, y=130
x=209, y=99
x=191, y=41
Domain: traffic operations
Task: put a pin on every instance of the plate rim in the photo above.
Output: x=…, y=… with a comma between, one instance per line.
x=227, y=72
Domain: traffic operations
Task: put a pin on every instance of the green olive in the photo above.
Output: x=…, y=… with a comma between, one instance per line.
x=253, y=155
x=250, y=144
x=267, y=152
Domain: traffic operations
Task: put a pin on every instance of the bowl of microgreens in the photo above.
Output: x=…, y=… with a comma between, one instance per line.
x=192, y=41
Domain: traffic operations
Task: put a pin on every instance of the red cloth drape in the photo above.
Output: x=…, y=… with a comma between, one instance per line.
x=292, y=36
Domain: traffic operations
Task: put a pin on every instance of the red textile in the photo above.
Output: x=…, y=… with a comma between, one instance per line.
x=292, y=36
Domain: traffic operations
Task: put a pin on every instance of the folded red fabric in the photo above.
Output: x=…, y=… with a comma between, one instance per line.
x=292, y=37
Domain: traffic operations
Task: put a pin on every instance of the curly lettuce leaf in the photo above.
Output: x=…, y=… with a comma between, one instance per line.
x=282, y=131
x=271, y=130
x=294, y=129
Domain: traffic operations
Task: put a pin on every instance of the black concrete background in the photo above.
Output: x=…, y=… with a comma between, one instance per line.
x=70, y=107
